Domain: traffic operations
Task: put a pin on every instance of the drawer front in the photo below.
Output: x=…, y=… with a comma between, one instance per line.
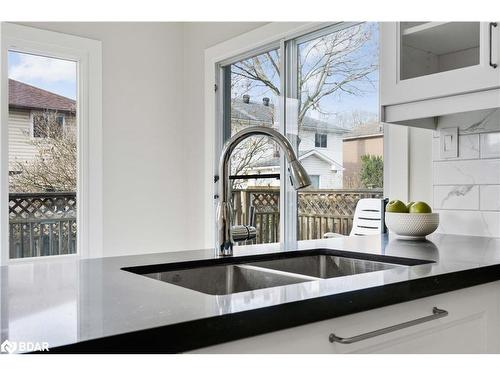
x=472, y=326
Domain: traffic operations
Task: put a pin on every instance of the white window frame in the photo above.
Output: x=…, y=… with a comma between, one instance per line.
x=32, y=124
x=88, y=54
x=396, y=176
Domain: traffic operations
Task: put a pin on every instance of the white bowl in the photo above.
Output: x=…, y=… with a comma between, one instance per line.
x=411, y=225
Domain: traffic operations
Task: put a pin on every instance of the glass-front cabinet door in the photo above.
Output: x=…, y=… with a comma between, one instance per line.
x=422, y=60
x=435, y=47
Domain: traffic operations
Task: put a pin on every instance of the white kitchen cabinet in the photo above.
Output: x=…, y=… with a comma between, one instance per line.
x=472, y=326
x=426, y=60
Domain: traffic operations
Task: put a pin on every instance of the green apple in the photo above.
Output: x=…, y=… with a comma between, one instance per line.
x=420, y=208
x=408, y=206
x=396, y=206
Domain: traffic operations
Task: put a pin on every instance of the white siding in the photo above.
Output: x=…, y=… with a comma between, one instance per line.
x=316, y=166
x=313, y=165
x=20, y=148
x=333, y=149
x=328, y=179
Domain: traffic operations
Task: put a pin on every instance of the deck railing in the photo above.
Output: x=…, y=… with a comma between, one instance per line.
x=319, y=211
x=42, y=224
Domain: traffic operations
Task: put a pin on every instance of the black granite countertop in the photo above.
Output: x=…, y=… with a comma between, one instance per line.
x=94, y=306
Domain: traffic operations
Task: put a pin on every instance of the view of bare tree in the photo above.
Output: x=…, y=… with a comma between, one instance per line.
x=54, y=166
x=333, y=64
x=246, y=152
x=327, y=65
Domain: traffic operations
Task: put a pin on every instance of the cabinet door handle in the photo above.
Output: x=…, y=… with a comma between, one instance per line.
x=492, y=25
x=436, y=314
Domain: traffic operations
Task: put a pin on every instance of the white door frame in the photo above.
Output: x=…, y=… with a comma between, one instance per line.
x=87, y=53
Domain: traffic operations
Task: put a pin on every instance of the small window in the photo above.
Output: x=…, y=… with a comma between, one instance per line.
x=47, y=124
x=60, y=120
x=43, y=186
x=38, y=126
x=320, y=140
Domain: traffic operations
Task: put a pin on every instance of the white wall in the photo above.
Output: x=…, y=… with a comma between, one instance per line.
x=420, y=165
x=153, y=129
x=408, y=163
x=197, y=37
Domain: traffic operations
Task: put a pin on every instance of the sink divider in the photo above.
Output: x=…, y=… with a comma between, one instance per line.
x=276, y=272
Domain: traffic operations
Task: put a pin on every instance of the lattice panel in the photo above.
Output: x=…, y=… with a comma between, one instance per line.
x=331, y=204
x=42, y=224
x=265, y=202
x=320, y=211
x=25, y=206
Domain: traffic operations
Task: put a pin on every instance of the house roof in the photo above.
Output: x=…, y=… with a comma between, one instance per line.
x=275, y=161
x=257, y=111
x=324, y=157
x=365, y=130
x=22, y=95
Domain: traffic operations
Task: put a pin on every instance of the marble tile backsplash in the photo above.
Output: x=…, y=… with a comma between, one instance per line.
x=466, y=189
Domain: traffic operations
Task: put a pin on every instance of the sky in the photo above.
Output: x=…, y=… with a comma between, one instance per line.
x=343, y=103
x=59, y=76
x=54, y=75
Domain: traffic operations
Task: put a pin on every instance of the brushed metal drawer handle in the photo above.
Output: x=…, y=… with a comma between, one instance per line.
x=436, y=314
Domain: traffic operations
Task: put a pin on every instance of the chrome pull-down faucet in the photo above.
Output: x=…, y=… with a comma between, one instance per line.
x=298, y=177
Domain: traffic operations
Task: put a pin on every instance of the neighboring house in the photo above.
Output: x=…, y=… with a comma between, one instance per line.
x=28, y=106
x=320, y=145
x=364, y=139
x=325, y=173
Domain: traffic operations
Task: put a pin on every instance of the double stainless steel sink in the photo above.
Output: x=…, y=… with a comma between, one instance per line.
x=243, y=274
x=226, y=279
x=324, y=266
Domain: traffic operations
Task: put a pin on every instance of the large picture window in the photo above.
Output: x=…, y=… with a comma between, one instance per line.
x=50, y=145
x=42, y=156
x=330, y=80
x=337, y=81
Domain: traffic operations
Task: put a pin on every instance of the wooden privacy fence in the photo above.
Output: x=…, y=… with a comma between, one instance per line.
x=319, y=211
x=42, y=224
x=267, y=214
x=45, y=223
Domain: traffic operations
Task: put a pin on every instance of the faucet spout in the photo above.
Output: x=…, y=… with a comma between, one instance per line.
x=298, y=177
